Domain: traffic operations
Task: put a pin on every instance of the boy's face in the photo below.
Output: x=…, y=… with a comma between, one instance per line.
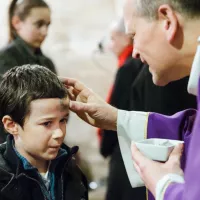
x=44, y=129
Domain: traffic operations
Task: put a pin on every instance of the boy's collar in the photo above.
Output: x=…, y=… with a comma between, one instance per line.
x=20, y=164
x=25, y=162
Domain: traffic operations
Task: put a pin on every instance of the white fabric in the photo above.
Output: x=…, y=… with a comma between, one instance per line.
x=164, y=182
x=131, y=126
x=45, y=175
x=195, y=73
x=46, y=178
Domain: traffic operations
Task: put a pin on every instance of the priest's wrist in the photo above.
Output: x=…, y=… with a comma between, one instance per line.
x=113, y=122
x=163, y=184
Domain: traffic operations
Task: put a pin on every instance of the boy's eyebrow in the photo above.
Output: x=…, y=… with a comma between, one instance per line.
x=51, y=118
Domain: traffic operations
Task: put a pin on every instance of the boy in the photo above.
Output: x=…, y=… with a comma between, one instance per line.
x=34, y=108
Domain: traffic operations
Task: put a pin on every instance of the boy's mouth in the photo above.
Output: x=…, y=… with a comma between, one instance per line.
x=55, y=147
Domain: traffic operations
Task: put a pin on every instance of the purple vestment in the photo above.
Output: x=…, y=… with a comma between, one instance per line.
x=185, y=126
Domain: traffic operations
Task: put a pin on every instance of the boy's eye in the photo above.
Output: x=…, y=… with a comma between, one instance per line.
x=47, y=124
x=64, y=120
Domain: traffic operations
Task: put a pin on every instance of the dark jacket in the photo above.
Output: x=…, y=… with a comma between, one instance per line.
x=18, y=53
x=167, y=100
x=139, y=93
x=16, y=183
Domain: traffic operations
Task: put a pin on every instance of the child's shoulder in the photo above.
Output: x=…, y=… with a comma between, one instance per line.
x=4, y=166
x=2, y=150
x=72, y=166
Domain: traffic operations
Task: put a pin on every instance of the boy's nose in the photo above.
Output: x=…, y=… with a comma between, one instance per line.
x=57, y=133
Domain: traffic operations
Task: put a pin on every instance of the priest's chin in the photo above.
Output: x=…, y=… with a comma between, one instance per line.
x=159, y=80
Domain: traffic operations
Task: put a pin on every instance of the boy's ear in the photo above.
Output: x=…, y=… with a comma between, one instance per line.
x=9, y=125
x=16, y=22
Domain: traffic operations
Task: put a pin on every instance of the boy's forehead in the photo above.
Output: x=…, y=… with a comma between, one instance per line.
x=64, y=103
x=49, y=106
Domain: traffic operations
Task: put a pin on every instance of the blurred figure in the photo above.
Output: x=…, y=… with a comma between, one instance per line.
x=134, y=90
x=28, y=27
x=119, y=96
x=121, y=46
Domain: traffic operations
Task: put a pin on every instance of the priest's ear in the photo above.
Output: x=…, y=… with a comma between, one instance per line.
x=9, y=125
x=168, y=17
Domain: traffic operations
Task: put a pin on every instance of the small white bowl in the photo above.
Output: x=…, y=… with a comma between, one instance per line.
x=157, y=149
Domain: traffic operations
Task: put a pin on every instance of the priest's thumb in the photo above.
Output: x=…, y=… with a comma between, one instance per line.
x=178, y=149
x=81, y=107
x=176, y=154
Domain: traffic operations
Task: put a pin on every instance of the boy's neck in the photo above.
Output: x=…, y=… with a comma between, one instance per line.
x=41, y=165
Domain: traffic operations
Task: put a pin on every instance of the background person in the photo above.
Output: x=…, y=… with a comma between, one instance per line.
x=29, y=21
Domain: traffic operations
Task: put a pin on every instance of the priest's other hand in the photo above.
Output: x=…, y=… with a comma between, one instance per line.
x=151, y=171
x=89, y=106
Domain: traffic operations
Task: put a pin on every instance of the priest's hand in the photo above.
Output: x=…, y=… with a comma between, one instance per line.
x=89, y=106
x=151, y=171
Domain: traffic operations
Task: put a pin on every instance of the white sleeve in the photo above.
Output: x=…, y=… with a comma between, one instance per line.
x=165, y=182
x=131, y=126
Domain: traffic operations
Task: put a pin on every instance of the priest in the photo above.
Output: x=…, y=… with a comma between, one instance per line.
x=172, y=28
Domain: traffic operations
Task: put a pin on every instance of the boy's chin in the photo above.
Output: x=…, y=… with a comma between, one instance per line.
x=51, y=155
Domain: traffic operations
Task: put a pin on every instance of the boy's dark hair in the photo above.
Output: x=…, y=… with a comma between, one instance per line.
x=21, y=85
x=22, y=9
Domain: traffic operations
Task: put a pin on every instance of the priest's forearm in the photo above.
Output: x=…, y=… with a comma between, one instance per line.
x=135, y=126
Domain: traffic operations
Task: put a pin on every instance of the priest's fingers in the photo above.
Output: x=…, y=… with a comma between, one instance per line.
x=176, y=154
x=84, y=111
x=81, y=107
x=138, y=157
x=174, y=160
x=72, y=94
x=84, y=95
x=73, y=82
x=62, y=79
x=137, y=169
x=77, y=88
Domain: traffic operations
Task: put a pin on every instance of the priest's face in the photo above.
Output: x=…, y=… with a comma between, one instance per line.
x=156, y=41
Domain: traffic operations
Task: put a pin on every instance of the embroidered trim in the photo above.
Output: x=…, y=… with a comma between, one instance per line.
x=164, y=189
x=145, y=137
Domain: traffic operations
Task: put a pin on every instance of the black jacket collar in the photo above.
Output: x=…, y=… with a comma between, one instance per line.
x=10, y=162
